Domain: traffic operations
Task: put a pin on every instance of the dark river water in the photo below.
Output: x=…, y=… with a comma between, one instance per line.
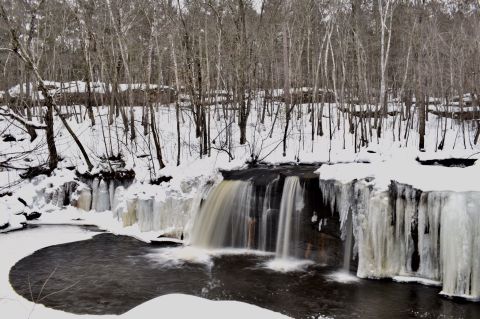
x=112, y=274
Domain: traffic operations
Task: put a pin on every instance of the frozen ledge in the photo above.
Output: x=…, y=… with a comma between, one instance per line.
x=407, y=171
x=400, y=230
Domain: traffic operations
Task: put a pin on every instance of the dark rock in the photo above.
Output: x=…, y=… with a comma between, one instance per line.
x=9, y=138
x=35, y=171
x=126, y=175
x=161, y=179
x=32, y=215
x=4, y=226
x=448, y=162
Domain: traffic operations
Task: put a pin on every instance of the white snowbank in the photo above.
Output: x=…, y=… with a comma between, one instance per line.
x=17, y=245
x=406, y=171
x=11, y=217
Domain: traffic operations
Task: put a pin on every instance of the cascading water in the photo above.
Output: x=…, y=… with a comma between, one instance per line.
x=267, y=231
x=230, y=217
x=289, y=219
x=224, y=218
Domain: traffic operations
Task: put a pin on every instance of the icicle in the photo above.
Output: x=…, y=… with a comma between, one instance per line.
x=111, y=193
x=460, y=245
x=129, y=216
x=432, y=236
x=102, y=198
x=95, y=183
x=119, y=207
x=84, y=199
x=145, y=214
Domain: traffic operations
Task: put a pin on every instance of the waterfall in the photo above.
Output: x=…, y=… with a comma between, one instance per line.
x=404, y=232
x=224, y=218
x=290, y=218
x=229, y=217
x=267, y=231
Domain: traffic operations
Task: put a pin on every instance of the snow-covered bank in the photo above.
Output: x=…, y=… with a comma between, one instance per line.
x=17, y=245
x=134, y=208
x=411, y=220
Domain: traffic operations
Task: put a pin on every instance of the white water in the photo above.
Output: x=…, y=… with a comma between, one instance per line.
x=223, y=220
x=227, y=218
x=289, y=219
x=266, y=232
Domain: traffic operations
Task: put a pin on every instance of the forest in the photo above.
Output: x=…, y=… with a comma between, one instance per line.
x=378, y=65
x=239, y=159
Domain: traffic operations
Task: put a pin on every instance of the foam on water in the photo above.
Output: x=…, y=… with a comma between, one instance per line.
x=343, y=277
x=178, y=256
x=287, y=264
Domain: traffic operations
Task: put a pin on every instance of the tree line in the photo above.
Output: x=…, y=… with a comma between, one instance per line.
x=221, y=55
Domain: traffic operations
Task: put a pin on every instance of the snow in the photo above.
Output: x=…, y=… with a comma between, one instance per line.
x=17, y=245
x=74, y=87
x=406, y=171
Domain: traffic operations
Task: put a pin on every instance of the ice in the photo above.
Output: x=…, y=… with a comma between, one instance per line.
x=119, y=207
x=84, y=199
x=95, y=184
x=460, y=245
x=102, y=202
x=403, y=233
x=145, y=213
x=129, y=216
